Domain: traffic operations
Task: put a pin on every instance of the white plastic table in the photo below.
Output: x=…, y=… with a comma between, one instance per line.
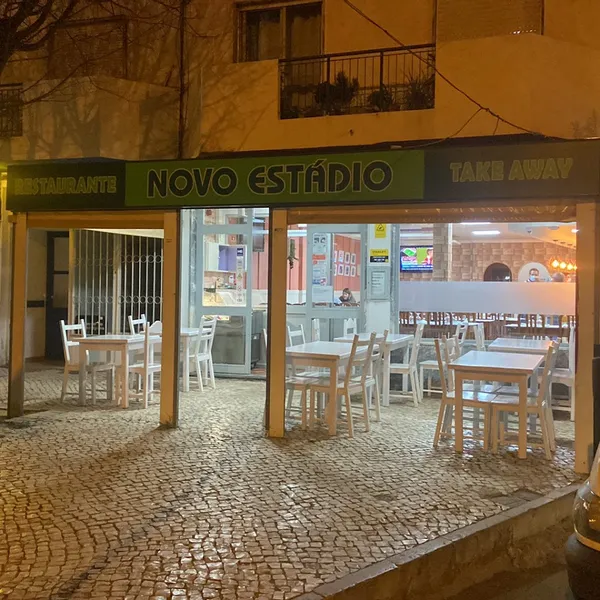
x=395, y=341
x=327, y=355
x=507, y=367
x=520, y=346
x=121, y=343
x=187, y=336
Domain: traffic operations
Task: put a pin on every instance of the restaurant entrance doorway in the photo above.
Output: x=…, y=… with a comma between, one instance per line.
x=495, y=236
x=57, y=291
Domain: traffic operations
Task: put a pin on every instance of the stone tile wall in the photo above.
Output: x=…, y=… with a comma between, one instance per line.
x=470, y=260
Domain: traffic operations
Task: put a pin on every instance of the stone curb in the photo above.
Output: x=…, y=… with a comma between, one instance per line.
x=450, y=564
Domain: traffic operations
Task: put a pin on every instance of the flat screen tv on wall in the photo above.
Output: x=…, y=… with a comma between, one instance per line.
x=416, y=258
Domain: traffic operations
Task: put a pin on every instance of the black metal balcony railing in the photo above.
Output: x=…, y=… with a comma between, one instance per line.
x=11, y=111
x=383, y=80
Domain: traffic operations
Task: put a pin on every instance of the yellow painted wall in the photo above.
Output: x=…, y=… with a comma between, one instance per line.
x=576, y=21
x=544, y=83
x=537, y=82
x=103, y=116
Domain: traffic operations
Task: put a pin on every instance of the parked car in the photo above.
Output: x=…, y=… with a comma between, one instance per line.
x=583, y=547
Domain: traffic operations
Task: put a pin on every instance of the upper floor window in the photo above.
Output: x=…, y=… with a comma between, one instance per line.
x=282, y=31
x=91, y=47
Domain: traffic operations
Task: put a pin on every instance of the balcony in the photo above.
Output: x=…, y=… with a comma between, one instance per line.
x=383, y=80
x=11, y=111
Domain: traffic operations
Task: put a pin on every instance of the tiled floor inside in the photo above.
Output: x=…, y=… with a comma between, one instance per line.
x=98, y=502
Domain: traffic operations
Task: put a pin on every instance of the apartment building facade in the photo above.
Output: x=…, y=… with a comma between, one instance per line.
x=291, y=75
x=269, y=76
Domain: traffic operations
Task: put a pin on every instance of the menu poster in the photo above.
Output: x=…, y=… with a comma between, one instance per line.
x=322, y=294
x=239, y=275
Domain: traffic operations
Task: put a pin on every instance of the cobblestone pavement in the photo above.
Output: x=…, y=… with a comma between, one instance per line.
x=100, y=503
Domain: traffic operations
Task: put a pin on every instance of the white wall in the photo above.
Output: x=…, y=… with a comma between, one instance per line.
x=479, y=296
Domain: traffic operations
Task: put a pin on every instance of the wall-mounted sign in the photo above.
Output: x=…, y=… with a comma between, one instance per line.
x=381, y=230
x=66, y=185
x=275, y=180
x=240, y=271
x=499, y=171
x=379, y=255
x=379, y=284
x=550, y=170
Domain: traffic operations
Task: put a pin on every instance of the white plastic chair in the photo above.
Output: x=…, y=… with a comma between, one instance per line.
x=410, y=368
x=475, y=400
x=377, y=373
x=567, y=376
x=71, y=356
x=146, y=370
x=294, y=383
x=350, y=327
x=295, y=336
x=316, y=330
x=202, y=356
x=462, y=330
x=156, y=328
x=536, y=405
x=137, y=325
x=479, y=333
x=351, y=383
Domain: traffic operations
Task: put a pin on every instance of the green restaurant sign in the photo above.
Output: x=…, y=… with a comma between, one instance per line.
x=264, y=181
x=66, y=185
x=561, y=169
x=438, y=174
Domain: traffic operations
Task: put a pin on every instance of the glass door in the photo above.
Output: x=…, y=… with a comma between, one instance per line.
x=335, y=280
x=230, y=246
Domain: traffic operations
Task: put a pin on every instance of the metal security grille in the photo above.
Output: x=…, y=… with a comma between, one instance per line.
x=115, y=276
x=140, y=290
x=11, y=111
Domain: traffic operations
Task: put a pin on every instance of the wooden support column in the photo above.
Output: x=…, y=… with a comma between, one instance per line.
x=588, y=326
x=16, y=364
x=171, y=319
x=278, y=252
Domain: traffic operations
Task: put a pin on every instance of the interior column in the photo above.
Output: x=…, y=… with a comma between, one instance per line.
x=442, y=252
x=171, y=320
x=588, y=336
x=379, y=285
x=276, y=328
x=16, y=365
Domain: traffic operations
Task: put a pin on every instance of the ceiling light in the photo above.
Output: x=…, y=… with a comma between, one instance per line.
x=486, y=232
x=574, y=230
x=423, y=235
x=477, y=223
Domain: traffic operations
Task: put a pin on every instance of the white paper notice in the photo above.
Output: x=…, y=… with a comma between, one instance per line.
x=322, y=293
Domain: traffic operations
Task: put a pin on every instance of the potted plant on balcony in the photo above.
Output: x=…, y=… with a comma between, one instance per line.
x=382, y=100
x=335, y=98
x=419, y=91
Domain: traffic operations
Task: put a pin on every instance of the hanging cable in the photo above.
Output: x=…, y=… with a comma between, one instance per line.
x=435, y=142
